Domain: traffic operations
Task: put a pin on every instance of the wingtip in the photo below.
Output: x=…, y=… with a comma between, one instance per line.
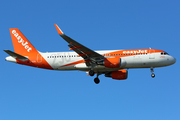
x=58, y=29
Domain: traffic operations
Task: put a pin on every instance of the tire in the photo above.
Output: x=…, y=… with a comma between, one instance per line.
x=96, y=80
x=91, y=73
x=152, y=75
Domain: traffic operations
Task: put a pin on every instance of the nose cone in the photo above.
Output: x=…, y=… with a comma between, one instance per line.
x=172, y=60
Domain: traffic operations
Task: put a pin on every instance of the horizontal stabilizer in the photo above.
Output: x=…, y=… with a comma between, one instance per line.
x=16, y=56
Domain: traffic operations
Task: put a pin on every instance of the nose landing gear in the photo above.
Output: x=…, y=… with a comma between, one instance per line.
x=152, y=74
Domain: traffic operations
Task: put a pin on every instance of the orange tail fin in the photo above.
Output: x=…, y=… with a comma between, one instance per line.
x=21, y=44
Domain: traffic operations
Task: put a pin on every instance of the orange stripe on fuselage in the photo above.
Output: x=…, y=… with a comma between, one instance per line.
x=74, y=63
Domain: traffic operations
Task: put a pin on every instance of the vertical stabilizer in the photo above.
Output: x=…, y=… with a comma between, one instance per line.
x=21, y=44
x=24, y=52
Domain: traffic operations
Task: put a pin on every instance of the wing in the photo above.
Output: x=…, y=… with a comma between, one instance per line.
x=86, y=53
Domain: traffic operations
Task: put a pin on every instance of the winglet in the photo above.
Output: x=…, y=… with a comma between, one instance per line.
x=58, y=29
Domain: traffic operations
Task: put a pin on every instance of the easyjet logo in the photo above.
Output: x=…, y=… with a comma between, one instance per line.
x=135, y=51
x=21, y=41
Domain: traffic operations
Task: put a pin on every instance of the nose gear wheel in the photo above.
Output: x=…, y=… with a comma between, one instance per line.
x=152, y=74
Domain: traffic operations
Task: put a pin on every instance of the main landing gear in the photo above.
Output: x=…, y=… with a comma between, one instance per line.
x=152, y=74
x=96, y=80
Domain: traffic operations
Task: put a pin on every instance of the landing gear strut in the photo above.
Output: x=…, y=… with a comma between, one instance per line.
x=152, y=74
x=91, y=73
x=96, y=80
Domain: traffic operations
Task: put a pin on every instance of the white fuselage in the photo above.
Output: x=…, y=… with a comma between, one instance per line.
x=65, y=60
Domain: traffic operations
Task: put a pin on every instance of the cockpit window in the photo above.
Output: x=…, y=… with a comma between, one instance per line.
x=164, y=53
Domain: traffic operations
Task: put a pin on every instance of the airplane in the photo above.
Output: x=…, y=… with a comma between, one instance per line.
x=111, y=63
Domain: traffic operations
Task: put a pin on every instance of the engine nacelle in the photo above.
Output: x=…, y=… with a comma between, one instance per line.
x=114, y=62
x=118, y=75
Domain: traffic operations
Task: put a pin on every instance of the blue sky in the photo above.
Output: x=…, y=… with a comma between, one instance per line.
x=28, y=93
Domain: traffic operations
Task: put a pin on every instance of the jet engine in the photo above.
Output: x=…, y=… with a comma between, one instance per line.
x=118, y=75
